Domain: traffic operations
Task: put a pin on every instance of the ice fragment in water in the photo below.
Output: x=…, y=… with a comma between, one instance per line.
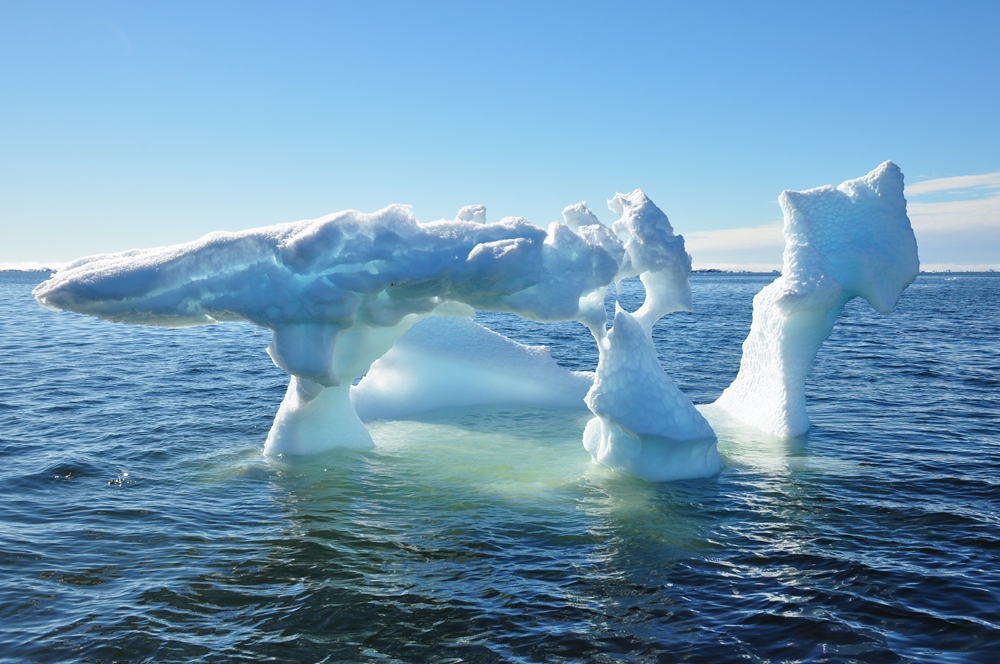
x=644, y=425
x=443, y=362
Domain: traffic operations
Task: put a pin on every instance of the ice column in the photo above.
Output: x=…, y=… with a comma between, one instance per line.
x=315, y=411
x=852, y=241
x=643, y=425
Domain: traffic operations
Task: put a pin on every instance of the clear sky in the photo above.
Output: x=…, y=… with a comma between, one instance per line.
x=131, y=124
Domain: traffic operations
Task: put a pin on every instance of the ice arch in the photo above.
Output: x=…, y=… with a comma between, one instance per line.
x=339, y=291
x=840, y=243
x=643, y=425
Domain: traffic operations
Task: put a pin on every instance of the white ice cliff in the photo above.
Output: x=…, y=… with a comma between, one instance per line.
x=852, y=241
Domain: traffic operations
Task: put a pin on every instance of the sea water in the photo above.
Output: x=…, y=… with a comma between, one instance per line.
x=140, y=522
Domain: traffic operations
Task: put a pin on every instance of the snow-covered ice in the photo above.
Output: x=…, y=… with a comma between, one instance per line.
x=644, y=425
x=655, y=254
x=338, y=292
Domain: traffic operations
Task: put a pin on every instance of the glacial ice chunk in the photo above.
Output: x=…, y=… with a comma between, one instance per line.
x=644, y=425
x=852, y=241
x=454, y=361
x=337, y=293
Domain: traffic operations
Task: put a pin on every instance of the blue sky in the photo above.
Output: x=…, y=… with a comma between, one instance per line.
x=138, y=124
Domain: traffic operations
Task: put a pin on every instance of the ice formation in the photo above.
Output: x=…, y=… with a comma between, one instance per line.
x=644, y=425
x=852, y=241
x=654, y=253
x=453, y=361
x=338, y=292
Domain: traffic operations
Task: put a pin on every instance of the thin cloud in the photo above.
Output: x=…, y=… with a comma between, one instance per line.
x=730, y=239
x=755, y=248
x=966, y=183
x=980, y=213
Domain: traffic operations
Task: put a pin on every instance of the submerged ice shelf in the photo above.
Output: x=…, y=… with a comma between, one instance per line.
x=354, y=294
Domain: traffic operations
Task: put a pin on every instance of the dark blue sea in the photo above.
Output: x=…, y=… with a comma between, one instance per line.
x=139, y=521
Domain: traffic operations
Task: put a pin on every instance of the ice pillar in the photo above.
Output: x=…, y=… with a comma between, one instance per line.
x=851, y=241
x=643, y=425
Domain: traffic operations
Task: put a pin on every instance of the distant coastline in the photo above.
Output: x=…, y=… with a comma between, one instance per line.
x=27, y=270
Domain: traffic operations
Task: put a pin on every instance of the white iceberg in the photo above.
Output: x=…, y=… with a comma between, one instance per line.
x=339, y=293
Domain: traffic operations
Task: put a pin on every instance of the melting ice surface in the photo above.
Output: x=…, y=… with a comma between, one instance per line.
x=345, y=296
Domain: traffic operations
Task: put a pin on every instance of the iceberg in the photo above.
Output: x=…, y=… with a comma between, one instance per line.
x=851, y=241
x=370, y=314
x=339, y=291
